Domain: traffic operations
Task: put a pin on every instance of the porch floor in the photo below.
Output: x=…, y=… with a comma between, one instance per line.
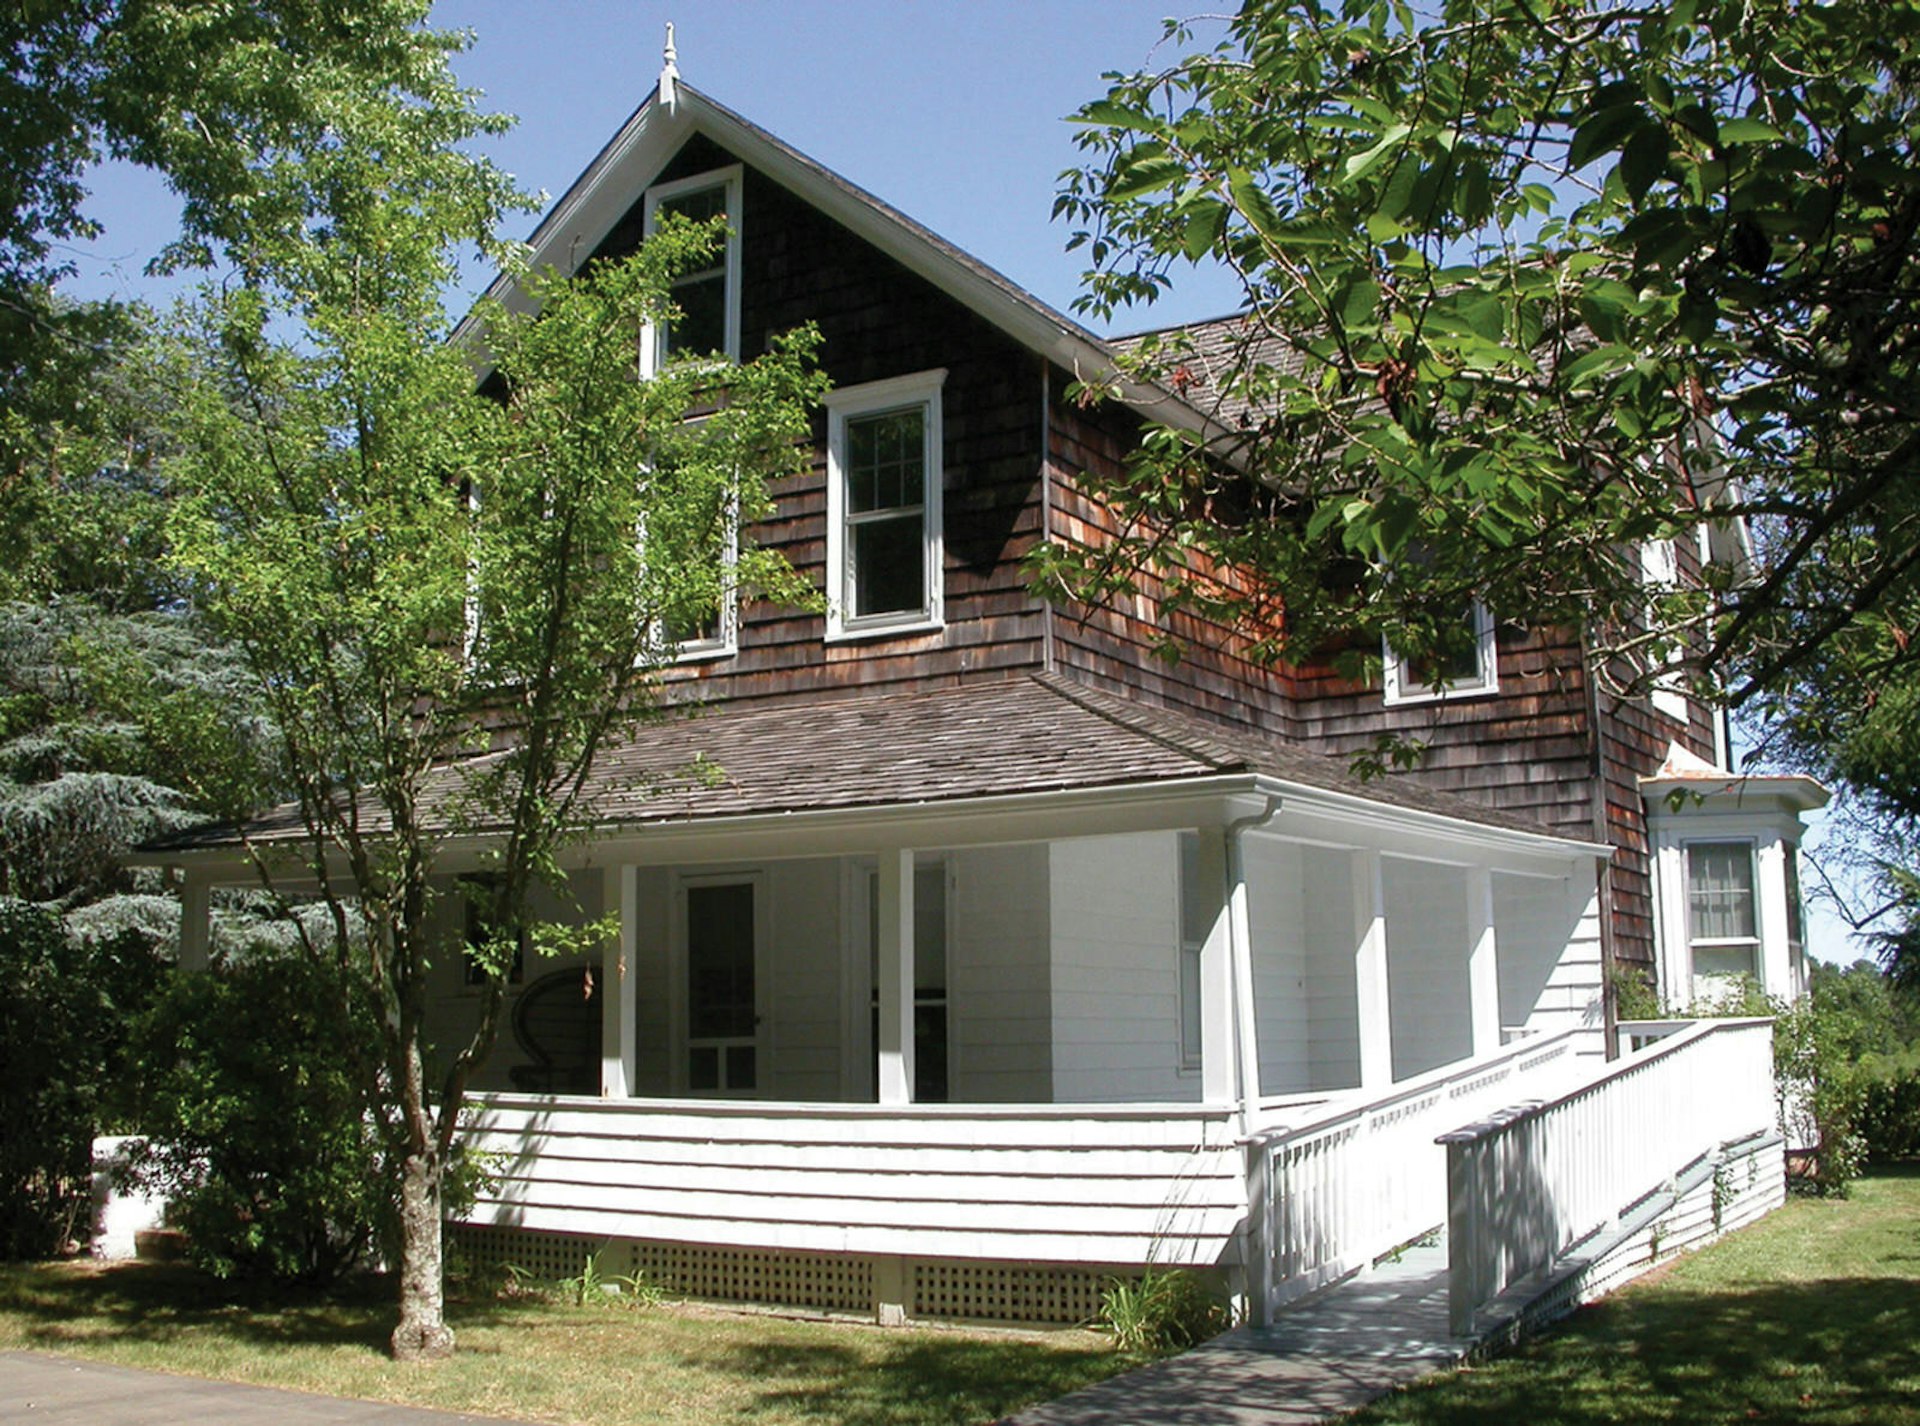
x=1330, y=1354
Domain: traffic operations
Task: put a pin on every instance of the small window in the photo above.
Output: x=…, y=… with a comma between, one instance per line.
x=1467, y=672
x=708, y=324
x=1723, y=927
x=883, y=506
x=1196, y=920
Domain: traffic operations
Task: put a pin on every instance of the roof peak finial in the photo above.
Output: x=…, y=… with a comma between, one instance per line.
x=669, y=69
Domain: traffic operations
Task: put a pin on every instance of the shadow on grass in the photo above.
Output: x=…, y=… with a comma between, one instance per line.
x=59, y=1304
x=1837, y=1352
x=923, y=1379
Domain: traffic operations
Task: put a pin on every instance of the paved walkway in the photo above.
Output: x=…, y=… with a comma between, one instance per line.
x=43, y=1389
x=1328, y=1356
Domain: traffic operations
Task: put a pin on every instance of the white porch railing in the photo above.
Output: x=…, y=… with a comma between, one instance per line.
x=1093, y=1183
x=1336, y=1191
x=1531, y=1182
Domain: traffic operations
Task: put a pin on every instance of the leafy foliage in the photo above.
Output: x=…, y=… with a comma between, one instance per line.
x=254, y=1097
x=1530, y=287
x=1162, y=1311
x=65, y=1005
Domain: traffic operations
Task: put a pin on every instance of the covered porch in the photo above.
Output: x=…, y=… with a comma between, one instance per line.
x=966, y=1053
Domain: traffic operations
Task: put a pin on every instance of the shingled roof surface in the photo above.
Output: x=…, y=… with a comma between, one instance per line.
x=1030, y=734
x=1206, y=352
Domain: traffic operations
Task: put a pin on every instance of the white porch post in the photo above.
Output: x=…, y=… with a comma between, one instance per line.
x=1219, y=1072
x=618, y=989
x=1246, y=1023
x=1370, y=970
x=896, y=977
x=196, y=923
x=1483, y=961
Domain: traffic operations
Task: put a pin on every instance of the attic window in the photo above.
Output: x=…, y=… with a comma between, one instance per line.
x=884, y=549
x=708, y=297
x=1468, y=672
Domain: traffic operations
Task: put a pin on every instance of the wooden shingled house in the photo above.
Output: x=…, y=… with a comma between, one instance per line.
x=1004, y=955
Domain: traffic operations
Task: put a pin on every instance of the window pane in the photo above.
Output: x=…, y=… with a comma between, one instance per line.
x=1196, y=907
x=1460, y=666
x=699, y=206
x=1190, y=1006
x=1720, y=890
x=720, y=962
x=701, y=327
x=930, y=1054
x=1724, y=960
x=930, y=931
x=703, y=1067
x=886, y=460
x=888, y=566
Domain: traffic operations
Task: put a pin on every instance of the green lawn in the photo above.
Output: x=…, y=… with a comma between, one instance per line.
x=677, y=1364
x=1812, y=1316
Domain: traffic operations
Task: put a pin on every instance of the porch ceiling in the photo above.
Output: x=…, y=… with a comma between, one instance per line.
x=938, y=751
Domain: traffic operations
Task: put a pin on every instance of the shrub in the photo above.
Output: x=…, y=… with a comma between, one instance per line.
x=1890, y=1108
x=257, y=1123
x=1163, y=1310
x=64, y=1007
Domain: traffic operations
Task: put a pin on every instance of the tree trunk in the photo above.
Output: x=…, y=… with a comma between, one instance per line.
x=423, y=1334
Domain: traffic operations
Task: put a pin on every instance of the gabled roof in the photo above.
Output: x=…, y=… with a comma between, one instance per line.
x=1035, y=733
x=609, y=187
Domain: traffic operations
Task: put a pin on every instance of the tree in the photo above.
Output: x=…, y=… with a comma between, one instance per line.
x=451, y=601
x=1532, y=284
x=206, y=95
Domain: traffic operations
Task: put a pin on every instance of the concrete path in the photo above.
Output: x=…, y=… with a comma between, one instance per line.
x=1330, y=1355
x=39, y=1388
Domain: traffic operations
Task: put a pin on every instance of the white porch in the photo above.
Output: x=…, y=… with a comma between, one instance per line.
x=1116, y=1016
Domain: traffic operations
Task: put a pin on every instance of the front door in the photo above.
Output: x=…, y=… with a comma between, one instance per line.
x=723, y=1018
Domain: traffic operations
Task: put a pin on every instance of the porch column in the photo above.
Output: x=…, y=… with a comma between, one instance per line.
x=618, y=1013
x=895, y=988
x=1483, y=963
x=196, y=923
x=1219, y=1073
x=1370, y=970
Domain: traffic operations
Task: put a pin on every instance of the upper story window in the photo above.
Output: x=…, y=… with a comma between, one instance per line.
x=1467, y=673
x=1723, y=922
x=708, y=297
x=699, y=540
x=883, y=506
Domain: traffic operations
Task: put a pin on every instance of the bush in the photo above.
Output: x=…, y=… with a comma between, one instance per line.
x=1161, y=1311
x=1890, y=1108
x=257, y=1123
x=64, y=1007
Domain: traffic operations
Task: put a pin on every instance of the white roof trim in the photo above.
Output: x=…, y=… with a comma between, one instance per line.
x=621, y=172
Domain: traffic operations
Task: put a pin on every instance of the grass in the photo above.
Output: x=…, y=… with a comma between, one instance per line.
x=538, y=1360
x=1811, y=1316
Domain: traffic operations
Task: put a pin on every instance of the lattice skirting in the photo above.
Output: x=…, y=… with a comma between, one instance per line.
x=1020, y=1294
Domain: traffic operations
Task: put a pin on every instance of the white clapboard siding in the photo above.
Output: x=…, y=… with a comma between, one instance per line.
x=1086, y=1184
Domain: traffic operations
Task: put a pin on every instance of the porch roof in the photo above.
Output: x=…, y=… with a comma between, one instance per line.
x=1030, y=734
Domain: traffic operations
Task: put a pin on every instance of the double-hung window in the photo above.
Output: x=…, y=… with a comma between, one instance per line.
x=1723, y=923
x=708, y=297
x=883, y=506
x=694, y=534
x=1468, y=671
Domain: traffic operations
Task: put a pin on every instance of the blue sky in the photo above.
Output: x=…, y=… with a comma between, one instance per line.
x=950, y=111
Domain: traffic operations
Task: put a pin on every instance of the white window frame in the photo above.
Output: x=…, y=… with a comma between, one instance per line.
x=1754, y=945
x=1188, y=992
x=730, y=178
x=874, y=398
x=1403, y=688
x=726, y=642
x=1659, y=574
